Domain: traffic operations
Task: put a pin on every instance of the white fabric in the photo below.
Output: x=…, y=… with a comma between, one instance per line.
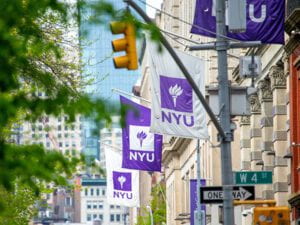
x=161, y=63
x=118, y=197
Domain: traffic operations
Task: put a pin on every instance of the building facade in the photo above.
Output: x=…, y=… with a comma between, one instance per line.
x=292, y=69
x=94, y=206
x=265, y=140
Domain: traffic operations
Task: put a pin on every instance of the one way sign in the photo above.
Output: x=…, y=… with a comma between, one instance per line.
x=214, y=195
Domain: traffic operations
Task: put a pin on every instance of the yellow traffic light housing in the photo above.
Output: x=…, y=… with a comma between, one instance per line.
x=127, y=44
x=279, y=215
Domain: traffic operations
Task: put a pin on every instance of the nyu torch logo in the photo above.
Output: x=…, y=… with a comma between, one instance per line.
x=177, y=98
x=175, y=91
x=122, y=183
x=141, y=136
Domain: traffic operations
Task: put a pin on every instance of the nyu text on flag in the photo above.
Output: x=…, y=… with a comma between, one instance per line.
x=122, y=184
x=141, y=149
x=264, y=18
x=176, y=110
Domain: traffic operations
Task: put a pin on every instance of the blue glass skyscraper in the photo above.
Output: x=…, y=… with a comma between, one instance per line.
x=98, y=68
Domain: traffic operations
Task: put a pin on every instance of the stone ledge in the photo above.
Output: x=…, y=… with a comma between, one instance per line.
x=267, y=146
x=268, y=194
x=280, y=187
x=279, y=110
x=279, y=136
x=269, y=168
x=245, y=143
x=256, y=155
x=280, y=161
x=255, y=132
x=246, y=165
x=266, y=122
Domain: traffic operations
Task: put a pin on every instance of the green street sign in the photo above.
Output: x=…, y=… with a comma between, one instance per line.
x=253, y=177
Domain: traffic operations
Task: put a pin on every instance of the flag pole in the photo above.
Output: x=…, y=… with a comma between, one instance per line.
x=198, y=219
x=121, y=92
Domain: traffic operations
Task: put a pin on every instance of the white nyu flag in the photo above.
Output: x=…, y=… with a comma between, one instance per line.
x=176, y=110
x=122, y=184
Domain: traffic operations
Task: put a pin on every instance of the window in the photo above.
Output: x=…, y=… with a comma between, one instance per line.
x=73, y=127
x=118, y=207
x=33, y=128
x=103, y=192
x=100, y=206
x=89, y=206
x=59, y=119
x=86, y=192
x=68, y=201
x=60, y=144
x=47, y=135
x=92, y=191
x=73, y=144
x=66, y=135
x=94, y=206
x=33, y=135
x=40, y=128
x=112, y=206
x=48, y=144
x=67, y=152
x=88, y=217
x=59, y=135
x=118, y=217
x=67, y=144
x=97, y=191
x=95, y=216
x=66, y=127
x=112, y=217
x=59, y=127
x=101, y=217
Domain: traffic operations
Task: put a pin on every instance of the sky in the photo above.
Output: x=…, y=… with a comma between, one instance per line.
x=156, y=4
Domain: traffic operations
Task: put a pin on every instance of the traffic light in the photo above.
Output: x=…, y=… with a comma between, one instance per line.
x=127, y=44
x=279, y=215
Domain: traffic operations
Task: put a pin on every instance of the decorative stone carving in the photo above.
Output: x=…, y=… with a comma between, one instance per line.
x=278, y=78
x=254, y=104
x=245, y=120
x=264, y=90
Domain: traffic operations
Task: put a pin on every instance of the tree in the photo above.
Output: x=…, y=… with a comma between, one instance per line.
x=19, y=206
x=33, y=58
x=158, y=207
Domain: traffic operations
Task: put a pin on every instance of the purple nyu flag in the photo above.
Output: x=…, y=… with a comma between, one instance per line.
x=265, y=21
x=194, y=199
x=141, y=149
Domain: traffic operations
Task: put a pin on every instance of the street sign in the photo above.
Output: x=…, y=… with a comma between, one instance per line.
x=253, y=177
x=214, y=195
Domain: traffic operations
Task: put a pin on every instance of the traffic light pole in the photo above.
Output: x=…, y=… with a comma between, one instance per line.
x=224, y=127
x=224, y=106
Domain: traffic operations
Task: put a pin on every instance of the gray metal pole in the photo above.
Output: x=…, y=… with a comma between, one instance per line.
x=199, y=217
x=224, y=104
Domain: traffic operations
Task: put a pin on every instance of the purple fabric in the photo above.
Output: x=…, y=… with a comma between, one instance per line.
x=267, y=29
x=193, y=198
x=141, y=149
x=176, y=94
x=122, y=181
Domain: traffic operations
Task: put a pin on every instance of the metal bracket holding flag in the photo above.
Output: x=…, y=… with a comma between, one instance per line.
x=214, y=194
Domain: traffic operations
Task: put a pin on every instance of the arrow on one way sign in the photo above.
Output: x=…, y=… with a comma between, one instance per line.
x=215, y=194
